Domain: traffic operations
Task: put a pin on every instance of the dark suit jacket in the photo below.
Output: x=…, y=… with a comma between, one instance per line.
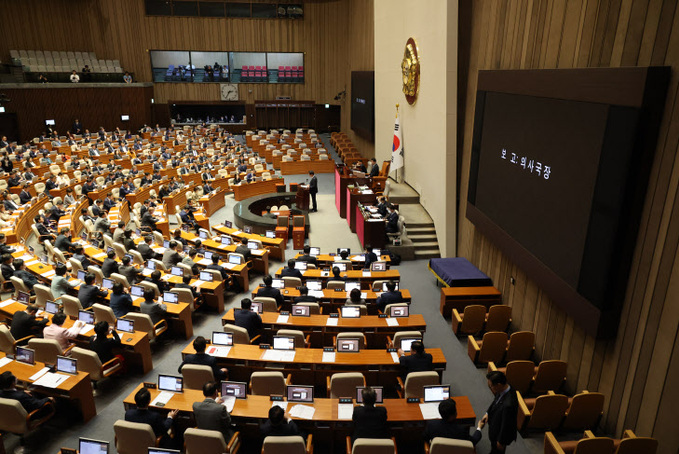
x=213, y=416
x=104, y=347
x=271, y=292
x=285, y=429
x=249, y=320
x=291, y=273
x=130, y=272
x=145, y=251
x=313, y=185
x=243, y=249
x=109, y=266
x=203, y=359
x=159, y=423
x=121, y=304
x=416, y=363
x=306, y=299
x=370, y=258
x=63, y=243
x=27, y=401
x=502, y=418
x=25, y=196
x=439, y=428
x=7, y=271
x=27, y=277
x=88, y=295
x=221, y=269
x=307, y=258
x=392, y=222
x=370, y=422
x=389, y=298
x=375, y=170
x=24, y=325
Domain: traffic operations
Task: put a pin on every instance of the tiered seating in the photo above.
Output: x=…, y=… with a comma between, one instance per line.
x=254, y=74
x=46, y=61
x=290, y=74
x=589, y=444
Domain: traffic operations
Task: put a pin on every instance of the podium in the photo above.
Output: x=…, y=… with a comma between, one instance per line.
x=302, y=199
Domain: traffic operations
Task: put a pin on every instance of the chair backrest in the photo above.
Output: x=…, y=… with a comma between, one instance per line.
x=12, y=416
x=520, y=374
x=292, y=282
x=353, y=335
x=300, y=341
x=473, y=319
x=499, y=317
x=152, y=286
x=336, y=285
x=6, y=340
x=344, y=384
x=133, y=437
x=195, y=376
x=548, y=411
x=184, y=296
x=76, y=265
x=314, y=308
x=137, y=258
x=120, y=278
x=267, y=383
x=142, y=322
x=585, y=411
x=88, y=361
x=46, y=350
x=268, y=304
x=521, y=345
x=42, y=293
x=493, y=347
x=216, y=275
x=292, y=444
x=637, y=445
x=373, y=446
x=201, y=441
x=400, y=335
x=550, y=376
x=103, y=313
x=440, y=445
x=240, y=335
x=19, y=286
x=297, y=221
x=71, y=305
x=416, y=381
x=158, y=238
x=98, y=275
x=596, y=445
x=120, y=250
x=159, y=264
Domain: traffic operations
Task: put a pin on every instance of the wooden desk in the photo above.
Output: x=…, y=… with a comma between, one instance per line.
x=321, y=335
x=180, y=317
x=142, y=194
x=366, y=278
x=276, y=246
x=303, y=167
x=213, y=202
x=77, y=388
x=370, y=231
x=245, y=191
x=24, y=221
x=357, y=261
x=377, y=365
x=461, y=297
x=353, y=199
x=177, y=198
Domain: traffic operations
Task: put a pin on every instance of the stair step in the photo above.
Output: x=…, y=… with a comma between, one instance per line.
x=427, y=254
x=418, y=225
x=423, y=239
x=426, y=244
x=421, y=230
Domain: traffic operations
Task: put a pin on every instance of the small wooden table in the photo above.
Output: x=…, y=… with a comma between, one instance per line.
x=461, y=297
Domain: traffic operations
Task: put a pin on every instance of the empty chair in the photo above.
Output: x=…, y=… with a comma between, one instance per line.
x=314, y=308
x=268, y=383
x=98, y=275
x=142, y=322
x=415, y=383
x=353, y=335
x=71, y=305
x=585, y=411
x=47, y=350
x=42, y=294
x=498, y=318
x=8, y=343
x=120, y=250
x=76, y=265
x=550, y=375
x=371, y=446
x=471, y=321
x=491, y=348
x=521, y=346
x=292, y=282
x=440, y=445
x=292, y=444
x=201, y=441
x=268, y=304
x=519, y=374
x=344, y=384
x=240, y=335
x=300, y=340
x=19, y=286
x=133, y=437
x=121, y=279
x=588, y=445
x=195, y=375
x=152, y=286
x=89, y=362
x=336, y=285
x=544, y=412
x=103, y=314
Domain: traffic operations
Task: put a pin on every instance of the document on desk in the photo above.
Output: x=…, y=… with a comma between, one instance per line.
x=162, y=398
x=316, y=293
x=26, y=257
x=229, y=402
x=101, y=255
x=222, y=246
x=198, y=283
x=48, y=274
x=5, y=360
x=345, y=411
x=328, y=357
x=146, y=272
x=7, y=302
x=367, y=274
x=332, y=321
x=430, y=410
x=230, y=266
x=394, y=356
x=86, y=328
x=166, y=277
x=392, y=321
x=282, y=319
x=32, y=262
x=39, y=373
x=302, y=412
x=364, y=295
x=285, y=356
x=204, y=262
x=237, y=232
x=219, y=351
x=278, y=403
x=51, y=380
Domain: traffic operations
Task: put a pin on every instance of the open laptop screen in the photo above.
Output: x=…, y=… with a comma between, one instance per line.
x=257, y=306
x=302, y=266
x=277, y=283
x=86, y=317
x=283, y=343
x=67, y=365
x=25, y=355
x=314, y=285
x=107, y=283
x=205, y=276
x=124, y=325
x=407, y=343
x=51, y=307
x=170, y=297
x=436, y=393
x=399, y=311
x=170, y=383
x=300, y=311
x=88, y=446
x=221, y=338
x=314, y=251
x=350, y=311
x=300, y=393
x=234, y=388
x=349, y=286
x=137, y=290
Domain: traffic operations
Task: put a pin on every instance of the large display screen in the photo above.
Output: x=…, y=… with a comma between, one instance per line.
x=363, y=103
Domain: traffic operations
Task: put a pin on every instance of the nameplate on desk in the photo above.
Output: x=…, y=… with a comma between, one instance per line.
x=333, y=315
x=149, y=385
x=285, y=312
x=346, y=400
x=264, y=346
x=382, y=315
x=413, y=400
x=275, y=398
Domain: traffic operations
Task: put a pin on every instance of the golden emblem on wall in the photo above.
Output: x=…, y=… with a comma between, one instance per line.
x=410, y=71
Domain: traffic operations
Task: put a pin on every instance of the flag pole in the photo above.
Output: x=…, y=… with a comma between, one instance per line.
x=397, y=180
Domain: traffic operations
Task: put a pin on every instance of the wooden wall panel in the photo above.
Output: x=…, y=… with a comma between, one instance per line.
x=636, y=371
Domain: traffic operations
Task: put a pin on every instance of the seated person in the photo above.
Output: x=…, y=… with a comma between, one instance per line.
x=4, y=249
x=243, y=249
x=6, y=267
x=307, y=257
x=63, y=241
x=89, y=293
x=291, y=271
x=370, y=421
x=131, y=273
x=216, y=266
x=57, y=331
x=22, y=273
x=210, y=414
x=355, y=298
x=25, y=324
x=144, y=248
x=391, y=296
x=177, y=236
x=121, y=301
x=270, y=292
x=202, y=359
x=337, y=275
x=171, y=256
x=447, y=426
x=110, y=265
x=8, y=390
x=304, y=296
x=248, y=319
x=155, y=278
x=142, y=414
x=279, y=426
x=104, y=345
x=156, y=311
x=189, y=261
x=370, y=257
x=417, y=361
x=186, y=283
x=128, y=242
x=79, y=255
x=60, y=285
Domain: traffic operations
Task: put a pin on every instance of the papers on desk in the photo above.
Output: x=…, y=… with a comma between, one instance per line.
x=166, y=277
x=4, y=361
x=302, y=412
x=229, y=402
x=394, y=356
x=230, y=266
x=282, y=319
x=430, y=410
x=392, y=321
x=198, y=283
x=345, y=411
x=32, y=262
x=75, y=282
x=257, y=252
x=278, y=403
x=51, y=380
x=372, y=209
x=222, y=246
x=146, y=272
x=316, y=293
x=220, y=351
x=283, y=356
x=204, y=262
x=364, y=295
x=331, y=321
x=328, y=357
x=26, y=257
x=38, y=374
x=218, y=226
x=101, y=255
x=48, y=274
x=7, y=302
x=163, y=398
x=237, y=232
x=367, y=273
x=375, y=220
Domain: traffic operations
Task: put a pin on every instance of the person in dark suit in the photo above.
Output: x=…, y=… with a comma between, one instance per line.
x=270, y=292
x=447, y=427
x=370, y=257
x=243, y=249
x=79, y=255
x=171, y=255
x=246, y=318
x=337, y=275
x=185, y=284
x=121, y=301
x=217, y=267
x=382, y=206
x=128, y=242
x=375, y=169
x=291, y=271
x=63, y=241
x=417, y=361
x=155, y=278
x=24, y=195
x=142, y=414
x=307, y=257
x=6, y=267
x=210, y=414
x=202, y=359
x=22, y=273
x=279, y=426
x=304, y=296
x=131, y=273
x=313, y=190
x=370, y=421
x=88, y=293
x=27, y=400
x=392, y=220
x=24, y=323
x=103, y=345
x=391, y=296
x=156, y=311
x=501, y=415
x=110, y=265
x=144, y=249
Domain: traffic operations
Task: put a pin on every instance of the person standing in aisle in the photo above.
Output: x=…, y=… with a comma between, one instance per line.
x=313, y=190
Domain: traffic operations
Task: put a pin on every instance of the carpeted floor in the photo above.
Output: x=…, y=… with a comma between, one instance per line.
x=328, y=231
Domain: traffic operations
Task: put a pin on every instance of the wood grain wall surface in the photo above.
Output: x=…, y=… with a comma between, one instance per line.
x=330, y=32
x=638, y=370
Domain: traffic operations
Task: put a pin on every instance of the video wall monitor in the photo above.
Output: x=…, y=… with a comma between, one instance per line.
x=363, y=103
x=558, y=175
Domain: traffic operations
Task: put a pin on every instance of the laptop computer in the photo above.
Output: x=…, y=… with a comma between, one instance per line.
x=208, y=255
x=257, y=306
x=314, y=251
x=350, y=311
x=235, y=388
x=348, y=345
x=378, y=266
x=379, y=394
x=151, y=265
x=340, y=266
x=137, y=291
x=253, y=245
x=126, y=326
x=226, y=240
x=407, y=343
x=228, y=224
x=300, y=393
x=169, y=297
x=25, y=355
x=107, y=283
x=81, y=275
x=221, y=338
x=399, y=311
x=247, y=229
x=177, y=271
x=302, y=266
x=270, y=234
x=170, y=383
x=166, y=243
x=349, y=286
x=314, y=285
x=67, y=365
x=51, y=307
x=23, y=297
x=86, y=317
x=436, y=393
x=205, y=276
x=278, y=283
x=283, y=343
x=89, y=446
x=202, y=234
x=235, y=259
x=300, y=311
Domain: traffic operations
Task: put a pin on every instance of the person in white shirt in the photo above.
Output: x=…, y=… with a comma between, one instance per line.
x=75, y=78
